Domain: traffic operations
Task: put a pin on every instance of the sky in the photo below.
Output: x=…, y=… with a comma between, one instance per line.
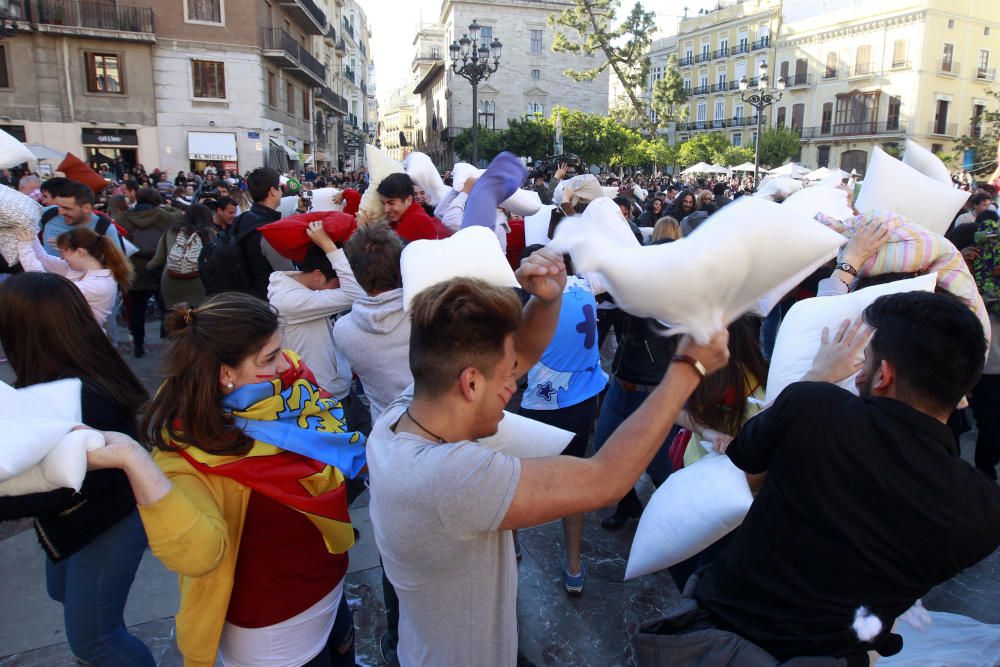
x=394, y=23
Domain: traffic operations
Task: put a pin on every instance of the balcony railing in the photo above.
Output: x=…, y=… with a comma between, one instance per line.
x=352, y=120
x=331, y=100
x=900, y=64
x=861, y=71
x=986, y=74
x=685, y=61
x=863, y=129
x=720, y=87
x=348, y=28
x=734, y=85
x=700, y=90
x=307, y=13
x=349, y=73
x=98, y=15
x=738, y=121
x=721, y=53
x=798, y=80
x=275, y=42
x=719, y=122
x=948, y=67
x=702, y=57
x=830, y=73
x=761, y=43
x=943, y=129
x=341, y=46
x=330, y=34
x=742, y=47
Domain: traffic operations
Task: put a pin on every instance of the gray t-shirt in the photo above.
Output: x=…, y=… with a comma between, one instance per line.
x=436, y=509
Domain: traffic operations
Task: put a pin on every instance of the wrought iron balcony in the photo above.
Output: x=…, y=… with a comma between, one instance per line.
x=307, y=14
x=983, y=74
x=331, y=100
x=721, y=87
x=830, y=73
x=862, y=129
x=130, y=23
x=701, y=90
x=719, y=123
x=948, y=67
x=761, y=43
x=742, y=47
x=798, y=80
x=861, y=71
x=702, y=57
x=685, y=61
x=279, y=46
x=721, y=53
x=943, y=129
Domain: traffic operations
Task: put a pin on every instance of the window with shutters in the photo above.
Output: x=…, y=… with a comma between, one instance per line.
x=863, y=60
x=290, y=98
x=4, y=72
x=780, y=122
x=536, y=41
x=892, y=119
x=831, y=66
x=826, y=124
x=798, y=114
x=272, y=90
x=203, y=11
x=209, y=79
x=104, y=73
x=305, y=104
x=823, y=156
x=899, y=53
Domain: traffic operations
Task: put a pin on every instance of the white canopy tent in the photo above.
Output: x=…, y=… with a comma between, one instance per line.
x=699, y=168
x=792, y=169
x=719, y=169
x=746, y=166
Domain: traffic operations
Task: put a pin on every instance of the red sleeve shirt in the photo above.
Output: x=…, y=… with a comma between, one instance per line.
x=416, y=225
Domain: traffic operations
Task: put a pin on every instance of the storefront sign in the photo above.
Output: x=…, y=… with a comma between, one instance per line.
x=109, y=137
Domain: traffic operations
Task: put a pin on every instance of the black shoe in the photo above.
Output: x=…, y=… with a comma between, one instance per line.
x=621, y=515
x=387, y=647
x=138, y=351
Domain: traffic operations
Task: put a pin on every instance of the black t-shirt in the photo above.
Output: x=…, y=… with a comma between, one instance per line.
x=866, y=502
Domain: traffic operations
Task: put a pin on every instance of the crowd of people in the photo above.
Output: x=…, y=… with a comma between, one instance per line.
x=290, y=385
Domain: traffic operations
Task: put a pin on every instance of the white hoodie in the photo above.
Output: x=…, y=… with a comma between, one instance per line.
x=305, y=317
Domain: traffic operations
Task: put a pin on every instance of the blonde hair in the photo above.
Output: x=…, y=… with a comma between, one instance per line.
x=666, y=228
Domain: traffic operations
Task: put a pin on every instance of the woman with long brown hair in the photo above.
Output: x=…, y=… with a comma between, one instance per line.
x=244, y=496
x=91, y=261
x=94, y=539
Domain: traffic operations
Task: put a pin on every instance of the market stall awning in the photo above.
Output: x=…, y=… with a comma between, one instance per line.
x=289, y=151
x=45, y=153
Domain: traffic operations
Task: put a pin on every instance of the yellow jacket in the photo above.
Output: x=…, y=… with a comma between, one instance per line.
x=195, y=531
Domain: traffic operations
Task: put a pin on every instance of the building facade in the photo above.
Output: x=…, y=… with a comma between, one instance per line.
x=905, y=69
x=714, y=51
x=398, y=128
x=77, y=77
x=430, y=93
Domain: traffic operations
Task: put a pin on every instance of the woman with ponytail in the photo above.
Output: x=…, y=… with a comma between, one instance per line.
x=244, y=496
x=91, y=261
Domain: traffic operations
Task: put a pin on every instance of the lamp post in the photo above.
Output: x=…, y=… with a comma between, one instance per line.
x=471, y=60
x=760, y=99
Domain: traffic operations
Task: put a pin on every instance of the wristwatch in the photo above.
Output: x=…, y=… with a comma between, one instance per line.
x=698, y=367
x=847, y=268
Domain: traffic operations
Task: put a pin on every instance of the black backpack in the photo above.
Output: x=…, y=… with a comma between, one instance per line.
x=103, y=223
x=223, y=264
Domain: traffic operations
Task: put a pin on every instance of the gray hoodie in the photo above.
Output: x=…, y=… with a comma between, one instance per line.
x=375, y=339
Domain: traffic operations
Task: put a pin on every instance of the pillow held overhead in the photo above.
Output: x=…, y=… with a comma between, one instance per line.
x=13, y=152
x=925, y=162
x=601, y=227
x=289, y=238
x=799, y=335
x=889, y=184
x=501, y=179
x=421, y=169
x=743, y=252
x=472, y=252
x=78, y=170
x=696, y=507
x=380, y=165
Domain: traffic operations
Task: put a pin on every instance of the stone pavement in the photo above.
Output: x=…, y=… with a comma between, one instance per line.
x=594, y=629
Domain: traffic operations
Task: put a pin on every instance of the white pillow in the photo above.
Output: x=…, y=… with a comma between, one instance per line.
x=696, y=507
x=17, y=211
x=13, y=152
x=322, y=200
x=925, y=162
x=819, y=199
x=536, y=226
x=777, y=188
x=471, y=252
x=799, y=335
x=380, y=165
x=461, y=172
x=421, y=169
x=600, y=228
x=889, y=184
x=701, y=283
x=585, y=187
x=522, y=203
x=526, y=438
x=64, y=466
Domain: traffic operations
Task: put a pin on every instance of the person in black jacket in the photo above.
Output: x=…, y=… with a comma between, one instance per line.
x=94, y=539
x=262, y=260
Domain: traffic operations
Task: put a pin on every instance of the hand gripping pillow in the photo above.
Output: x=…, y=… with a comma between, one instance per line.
x=380, y=165
x=13, y=152
x=520, y=203
x=501, y=179
x=423, y=172
x=289, y=238
x=323, y=200
x=473, y=252
x=889, y=184
x=526, y=438
x=461, y=172
x=800, y=332
x=17, y=211
x=585, y=187
x=925, y=162
x=701, y=283
x=696, y=507
x=536, y=227
x=600, y=228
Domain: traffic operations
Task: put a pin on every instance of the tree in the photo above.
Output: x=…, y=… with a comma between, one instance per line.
x=734, y=155
x=529, y=137
x=777, y=144
x=984, y=146
x=623, y=46
x=491, y=142
x=707, y=147
x=669, y=94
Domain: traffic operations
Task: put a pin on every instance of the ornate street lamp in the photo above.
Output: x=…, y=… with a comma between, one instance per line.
x=475, y=62
x=760, y=99
x=10, y=13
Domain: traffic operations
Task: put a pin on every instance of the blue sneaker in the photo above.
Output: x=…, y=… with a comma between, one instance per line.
x=574, y=582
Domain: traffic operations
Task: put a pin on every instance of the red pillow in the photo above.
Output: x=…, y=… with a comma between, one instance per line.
x=352, y=199
x=78, y=170
x=288, y=235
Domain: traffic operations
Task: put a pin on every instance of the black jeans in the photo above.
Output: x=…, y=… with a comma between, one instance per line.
x=137, y=300
x=986, y=410
x=606, y=318
x=391, y=601
x=339, y=650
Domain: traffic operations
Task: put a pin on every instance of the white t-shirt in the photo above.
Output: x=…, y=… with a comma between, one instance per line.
x=436, y=509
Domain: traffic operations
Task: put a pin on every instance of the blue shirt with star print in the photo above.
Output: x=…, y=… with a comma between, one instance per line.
x=569, y=371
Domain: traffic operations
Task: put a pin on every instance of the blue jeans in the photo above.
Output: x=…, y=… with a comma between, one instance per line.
x=618, y=405
x=92, y=586
x=339, y=650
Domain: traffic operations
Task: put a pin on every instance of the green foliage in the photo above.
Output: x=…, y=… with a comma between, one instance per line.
x=893, y=149
x=491, y=142
x=669, y=95
x=529, y=137
x=777, y=144
x=592, y=24
x=707, y=147
x=735, y=155
x=985, y=145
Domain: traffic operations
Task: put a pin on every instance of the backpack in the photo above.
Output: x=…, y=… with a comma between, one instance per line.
x=183, y=257
x=223, y=263
x=103, y=223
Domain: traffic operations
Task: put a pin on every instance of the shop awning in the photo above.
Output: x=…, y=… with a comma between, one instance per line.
x=212, y=146
x=45, y=153
x=289, y=151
